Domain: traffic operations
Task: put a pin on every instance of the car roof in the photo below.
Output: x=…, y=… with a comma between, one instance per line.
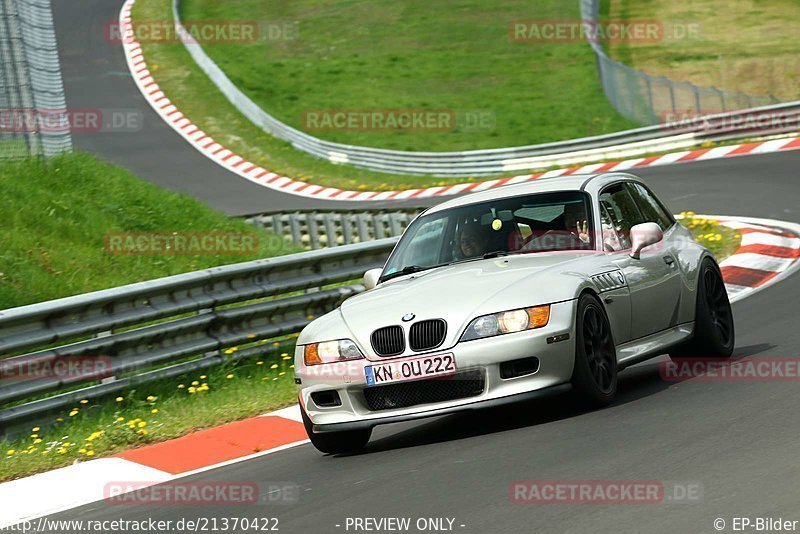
x=590, y=183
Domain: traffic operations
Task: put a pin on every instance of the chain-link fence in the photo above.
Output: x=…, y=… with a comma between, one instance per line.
x=650, y=99
x=33, y=115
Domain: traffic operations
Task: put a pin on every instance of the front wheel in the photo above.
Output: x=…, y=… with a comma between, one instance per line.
x=594, y=378
x=336, y=442
x=713, y=323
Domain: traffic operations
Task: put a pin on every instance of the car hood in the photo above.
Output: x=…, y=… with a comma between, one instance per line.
x=460, y=292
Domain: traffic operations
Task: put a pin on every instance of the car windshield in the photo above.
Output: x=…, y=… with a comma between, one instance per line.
x=542, y=222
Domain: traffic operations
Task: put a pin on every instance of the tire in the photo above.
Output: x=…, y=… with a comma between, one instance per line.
x=336, y=442
x=714, y=334
x=594, y=377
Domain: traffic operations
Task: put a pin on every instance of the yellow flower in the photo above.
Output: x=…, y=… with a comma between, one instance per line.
x=229, y=377
x=250, y=336
x=202, y=377
x=276, y=344
x=89, y=453
x=282, y=373
x=120, y=419
x=119, y=399
x=142, y=432
x=37, y=441
x=259, y=363
x=195, y=383
x=10, y=452
x=58, y=419
x=154, y=410
x=192, y=390
x=287, y=357
x=84, y=401
x=34, y=435
x=142, y=424
x=82, y=451
x=284, y=354
x=62, y=450
x=181, y=386
x=36, y=429
x=73, y=413
x=151, y=398
x=291, y=366
x=273, y=366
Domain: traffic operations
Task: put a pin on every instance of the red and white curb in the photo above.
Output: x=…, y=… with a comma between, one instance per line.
x=87, y=482
x=255, y=173
x=769, y=252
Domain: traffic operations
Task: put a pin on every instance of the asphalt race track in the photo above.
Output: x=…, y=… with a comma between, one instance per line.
x=738, y=440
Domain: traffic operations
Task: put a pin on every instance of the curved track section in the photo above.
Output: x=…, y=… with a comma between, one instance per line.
x=738, y=440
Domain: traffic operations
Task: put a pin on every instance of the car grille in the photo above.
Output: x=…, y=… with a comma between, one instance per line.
x=427, y=335
x=404, y=394
x=388, y=341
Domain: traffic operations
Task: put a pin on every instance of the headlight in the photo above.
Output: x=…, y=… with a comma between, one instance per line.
x=507, y=322
x=330, y=352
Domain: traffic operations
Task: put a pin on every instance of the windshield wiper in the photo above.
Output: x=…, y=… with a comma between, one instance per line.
x=410, y=269
x=495, y=254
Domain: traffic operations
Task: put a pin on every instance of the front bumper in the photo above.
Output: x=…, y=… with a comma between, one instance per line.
x=484, y=355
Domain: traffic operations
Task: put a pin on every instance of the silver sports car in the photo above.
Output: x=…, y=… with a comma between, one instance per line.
x=506, y=294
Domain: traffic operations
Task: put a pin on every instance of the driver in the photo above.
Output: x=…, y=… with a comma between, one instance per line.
x=575, y=221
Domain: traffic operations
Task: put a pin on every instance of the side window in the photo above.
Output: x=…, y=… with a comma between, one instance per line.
x=651, y=209
x=621, y=211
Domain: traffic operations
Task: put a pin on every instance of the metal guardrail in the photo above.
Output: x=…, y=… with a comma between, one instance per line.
x=31, y=87
x=170, y=326
x=648, y=99
x=314, y=229
x=630, y=143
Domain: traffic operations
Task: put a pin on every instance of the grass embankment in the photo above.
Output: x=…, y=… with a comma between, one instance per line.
x=402, y=55
x=738, y=45
x=156, y=412
x=56, y=215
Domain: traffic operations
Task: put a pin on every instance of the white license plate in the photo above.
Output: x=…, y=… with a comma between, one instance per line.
x=413, y=369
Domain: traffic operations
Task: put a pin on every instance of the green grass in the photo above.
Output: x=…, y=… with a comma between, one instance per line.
x=537, y=91
x=412, y=54
x=738, y=45
x=55, y=215
x=233, y=392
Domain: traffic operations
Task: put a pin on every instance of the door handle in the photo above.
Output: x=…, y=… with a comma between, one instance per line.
x=669, y=260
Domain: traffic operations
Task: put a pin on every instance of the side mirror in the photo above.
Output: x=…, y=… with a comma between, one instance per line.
x=643, y=235
x=371, y=278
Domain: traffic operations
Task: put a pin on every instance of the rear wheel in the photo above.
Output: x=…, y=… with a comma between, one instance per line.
x=594, y=378
x=336, y=442
x=713, y=323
